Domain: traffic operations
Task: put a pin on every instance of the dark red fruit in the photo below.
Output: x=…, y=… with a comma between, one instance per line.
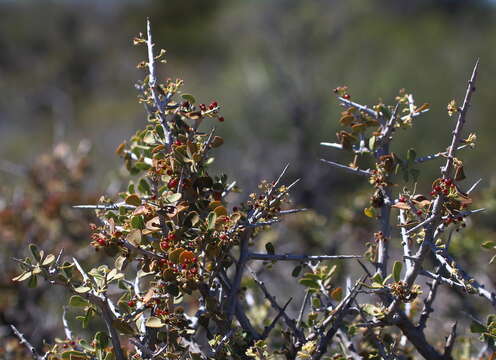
x=172, y=183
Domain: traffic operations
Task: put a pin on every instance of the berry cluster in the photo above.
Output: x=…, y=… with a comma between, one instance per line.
x=442, y=186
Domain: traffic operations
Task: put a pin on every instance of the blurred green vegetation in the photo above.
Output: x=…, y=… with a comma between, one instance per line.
x=67, y=71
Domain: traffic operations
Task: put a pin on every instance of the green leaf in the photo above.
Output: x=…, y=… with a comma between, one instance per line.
x=296, y=271
x=309, y=283
x=154, y=322
x=189, y=98
x=101, y=340
x=34, y=250
x=133, y=199
x=377, y=278
x=398, y=265
x=78, y=301
x=82, y=289
x=370, y=212
x=475, y=327
x=212, y=217
x=142, y=165
x=372, y=142
x=172, y=198
x=120, y=262
x=74, y=355
x=137, y=222
x=24, y=276
x=144, y=186
x=48, y=260
x=160, y=131
x=270, y=248
x=84, y=344
x=488, y=244
x=123, y=327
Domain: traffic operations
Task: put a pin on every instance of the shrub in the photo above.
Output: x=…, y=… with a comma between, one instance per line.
x=180, y=285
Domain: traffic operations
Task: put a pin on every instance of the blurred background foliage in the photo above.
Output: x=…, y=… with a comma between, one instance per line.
x=67, y=70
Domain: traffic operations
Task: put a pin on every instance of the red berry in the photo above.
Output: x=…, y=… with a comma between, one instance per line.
x=172, y=183
x=178, y=143
x=433, y=193
x=203, y=107
x=445, y=192
x=419, y=212
x=170, y=172
x=213, y=104
x=72, y=343
x=221, y=119
x=346, y=96
x=101, y=242
x=448, y=182
x=193, y=271
x=131, y=303
x=164, y=245
x=437, y=188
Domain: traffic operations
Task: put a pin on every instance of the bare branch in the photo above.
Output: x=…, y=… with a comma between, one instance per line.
x=105, y=206
x=240, y=266
x=269, y=328
x=436, y=156
x=450, y=341
x=289, y=322
x=26, y=343
x=153, y=83
x=348, y=168
x=294, y=257
x=292, y=211
x=348, y=103
x=405, y=242
x=428, y=301
x=67, y=329
x=228, y=189
x=472, y=188
x=431, y=226
x=457, y=133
